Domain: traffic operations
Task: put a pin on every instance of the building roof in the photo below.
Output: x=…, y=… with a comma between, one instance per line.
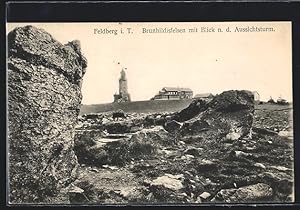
x=203, y=95
x=177, y=89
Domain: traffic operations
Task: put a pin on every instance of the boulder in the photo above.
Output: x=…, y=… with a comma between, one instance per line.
x=241, y=154
x=206, y=166
x=157, y=134
x=131, y=192
x=260, y=165
x=172, y=126
x=193, y=151
x=229, y=114
x=125, y=126
x=281, y=182
x=252, y=193
x=119, y=114
x=118, y=127
x=44, y=97
x=287, y=134
x=205, y=195
x=169, y=181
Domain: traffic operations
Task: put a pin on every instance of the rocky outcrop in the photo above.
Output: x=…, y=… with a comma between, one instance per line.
x=192, y=110
x=257, y=192
x=44, y=97
x=229, y=114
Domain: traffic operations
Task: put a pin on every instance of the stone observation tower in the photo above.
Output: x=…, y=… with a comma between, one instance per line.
x=123, y=95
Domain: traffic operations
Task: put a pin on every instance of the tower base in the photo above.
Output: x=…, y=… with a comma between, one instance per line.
x=120, y=98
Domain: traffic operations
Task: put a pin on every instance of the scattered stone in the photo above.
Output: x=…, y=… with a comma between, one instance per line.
x=240, y=154
x=205, y=195
x=227, y=145
x=187, y=157
x=105, y=121
x=168, y=182
x=281, y=168
x=125, y=192
x=287, y=134
x=193, y=151
x=110, y=167
x=183, y=194
x=205, y=165
x=198, y=200
x=173, y=126
x=188, y=173
x=147, y=182
x=95, y=170
x=75, y=189
x=167, y=152
x=250, y=148
x=233, y=136
x=260, y=165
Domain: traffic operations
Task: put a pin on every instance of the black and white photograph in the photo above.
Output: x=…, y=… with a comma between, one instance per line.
x=150, y=113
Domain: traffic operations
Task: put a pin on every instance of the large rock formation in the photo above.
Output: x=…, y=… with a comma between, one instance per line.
x=229, y=115
x=44, y=97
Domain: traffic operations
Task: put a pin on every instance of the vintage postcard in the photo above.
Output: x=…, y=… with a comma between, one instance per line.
x=150, y=113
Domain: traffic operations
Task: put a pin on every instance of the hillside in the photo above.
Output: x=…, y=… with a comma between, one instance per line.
x=138, y=106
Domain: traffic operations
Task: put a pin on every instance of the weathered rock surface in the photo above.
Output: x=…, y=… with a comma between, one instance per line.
x=211, y=163
x=256, y=192
x=44, y=97
x=118, y=127
x=229, y=114
x=173, y=126
x=282, y=182
x=169, y=181
x=192, y=110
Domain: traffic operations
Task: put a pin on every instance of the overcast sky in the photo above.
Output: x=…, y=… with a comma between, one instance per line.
x=203, y=61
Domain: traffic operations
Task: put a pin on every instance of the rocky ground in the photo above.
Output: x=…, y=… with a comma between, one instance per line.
x=220, y=151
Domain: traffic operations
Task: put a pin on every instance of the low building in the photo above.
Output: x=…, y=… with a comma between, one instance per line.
x=203, y=95
x=173, y=93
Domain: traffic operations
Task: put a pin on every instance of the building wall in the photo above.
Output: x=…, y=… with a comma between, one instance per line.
x=173, y=95
x=123, y=86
